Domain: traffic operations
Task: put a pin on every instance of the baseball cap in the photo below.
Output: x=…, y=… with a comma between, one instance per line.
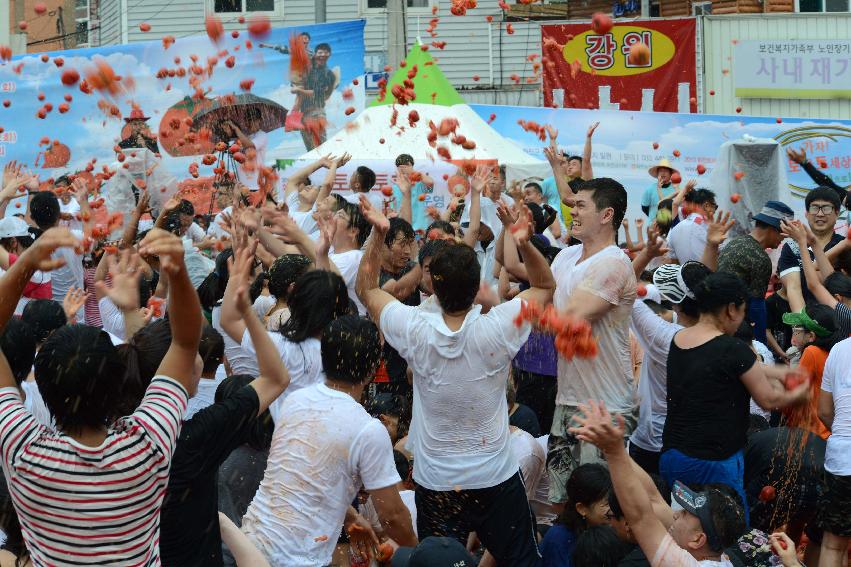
x=668, y=279
x=773, y=212
x=11, y=227
x=434, y=552
x=697, y=504
x=838, y=283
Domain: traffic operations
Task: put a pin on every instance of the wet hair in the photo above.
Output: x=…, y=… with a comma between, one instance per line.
x=455, y=273
x=822, y=193
x=404, y=159
x=441, y=225
x=728, y=515
x=79, y=375
x=430, y=248
x=212, y=289
x=186, y=208
x=399, y=226
x=351, y=349
x=589, y=483
x=305, y=34
x=718, y=290
x=284, y=271
x=44, y=209
x=211, y=349
x=324, y=46
x=365, y=175
x=62, y=180
x=317, y=298
x=600, y=546
x=605, y=193
x=259, y=436
x=142, y=356
x=43, y=317
x=572, y=158
x=403, y=465
x=358, y=221
x=700, y=196
x=19, y=346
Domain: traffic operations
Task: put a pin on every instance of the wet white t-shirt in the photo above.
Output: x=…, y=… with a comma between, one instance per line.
x=608, y=376
x=325, y=447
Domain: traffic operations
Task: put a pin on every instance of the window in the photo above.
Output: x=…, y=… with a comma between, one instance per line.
x=243, y=6
x=82, y=32
x=701, y=8
x=824, y=5
x=382, y=4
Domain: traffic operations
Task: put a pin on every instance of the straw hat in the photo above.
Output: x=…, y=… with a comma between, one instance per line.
x=662, y=163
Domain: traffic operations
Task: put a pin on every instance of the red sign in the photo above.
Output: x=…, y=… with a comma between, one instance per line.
x=580, y=61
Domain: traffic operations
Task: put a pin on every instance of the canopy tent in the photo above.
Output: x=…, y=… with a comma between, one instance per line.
x=372, y=137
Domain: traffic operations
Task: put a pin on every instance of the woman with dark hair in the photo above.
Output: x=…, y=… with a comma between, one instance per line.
x=101, y=478
x=814, y=332
x=711, y=377
x=282, y=276
x=190, y=533
x=317, y=298
x=587, y=506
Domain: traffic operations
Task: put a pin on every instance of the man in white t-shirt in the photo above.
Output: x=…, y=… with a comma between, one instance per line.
x=351, y=232
x=705, y=523
x=687, y=239
x=362, y=180
x=595, y=282
x=326, y=447
x=467, y=477
x=301, y=196
x=44, y=211
x=834, y=410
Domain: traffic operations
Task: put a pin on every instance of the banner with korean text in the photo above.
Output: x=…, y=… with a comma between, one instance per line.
x=590, y=70
x=793, y=68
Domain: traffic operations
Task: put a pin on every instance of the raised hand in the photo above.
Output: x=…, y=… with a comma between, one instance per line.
x=327, y=230
x=39, y=255
x=795, y=230
x=552, y=132
x=165, y=245
x=718, y=227
x=125, y=272
x=74, y=299
x=375, y=217
x=784, y=547
x=553, y=156
x=594, y=425
x=639, y=224
x=591, y=129
x=343, y=160
x=522, y=228
x=799, y=157
x=482, y=178
x=80, y=189
x=284, y=226
x=144, y=204
x=402, y=179
x=655, y=247
x=504, y=214
x=240, y=266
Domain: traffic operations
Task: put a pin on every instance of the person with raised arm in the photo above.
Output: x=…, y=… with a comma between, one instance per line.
x=467, y=477
x=80, y=376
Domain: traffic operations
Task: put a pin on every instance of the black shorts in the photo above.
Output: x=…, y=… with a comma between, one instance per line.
x=834, y=515
x=500, y=515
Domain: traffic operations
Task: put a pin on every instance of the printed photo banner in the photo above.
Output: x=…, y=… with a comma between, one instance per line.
x=594, y=71
x=158, y=80
x=793, y=68
x=623, y=145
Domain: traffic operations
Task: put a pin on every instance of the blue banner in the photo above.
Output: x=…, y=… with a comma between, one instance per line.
x=165, y=87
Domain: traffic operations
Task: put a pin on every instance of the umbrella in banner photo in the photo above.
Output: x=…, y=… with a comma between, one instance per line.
x=250, y=113
x=177, y=134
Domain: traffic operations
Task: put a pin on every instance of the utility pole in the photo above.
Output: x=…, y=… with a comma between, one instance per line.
x=319, y=13
x=396, y=33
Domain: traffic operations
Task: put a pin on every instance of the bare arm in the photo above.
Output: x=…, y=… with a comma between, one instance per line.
x=766, y=387
x=564, y=190
x=132, y=226
x=803, y=237
x=185, y=316
x=328, y=182
x=371, y=295
x=716, y=233
x=477, y=184
x=540, y=277
x=826, y=409
x=587, y=170
x=394, y=515
x=243, y=551
x=404, y=183
x=405, y=285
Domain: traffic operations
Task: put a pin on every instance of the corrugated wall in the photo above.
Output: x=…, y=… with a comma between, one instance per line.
x=109, y=22
x=719, y=32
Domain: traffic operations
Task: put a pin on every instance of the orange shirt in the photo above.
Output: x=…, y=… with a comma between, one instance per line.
x=806, y=416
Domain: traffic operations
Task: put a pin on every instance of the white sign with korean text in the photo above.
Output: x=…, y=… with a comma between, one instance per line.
x=786, y=68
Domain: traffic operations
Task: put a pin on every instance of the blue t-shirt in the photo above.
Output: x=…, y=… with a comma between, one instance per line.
x=650, y=198
x=551, y=195
x=418, y=208
x=557, y=547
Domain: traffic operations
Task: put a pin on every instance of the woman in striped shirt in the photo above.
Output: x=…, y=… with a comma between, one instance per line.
x=91, y=492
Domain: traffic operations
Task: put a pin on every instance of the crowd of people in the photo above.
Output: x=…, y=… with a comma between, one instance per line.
x=352, y=379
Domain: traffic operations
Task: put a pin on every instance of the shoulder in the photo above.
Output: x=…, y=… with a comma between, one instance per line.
x=566, y=257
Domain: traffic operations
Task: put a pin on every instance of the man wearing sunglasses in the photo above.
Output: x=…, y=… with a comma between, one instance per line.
x=822, y=210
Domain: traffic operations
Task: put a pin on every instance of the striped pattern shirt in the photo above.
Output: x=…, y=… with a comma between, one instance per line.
x=81, y=505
